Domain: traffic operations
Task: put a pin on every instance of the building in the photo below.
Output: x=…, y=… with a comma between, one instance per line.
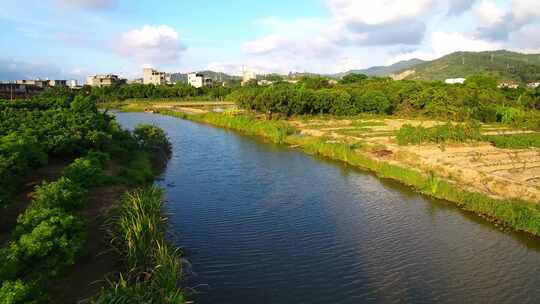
x=37, y=82
x=57, y=83
x=136, y=81
x=151, y=76
x=248, y=76
x=104, y=80
x=264, y=82
x=198, y=80
x=533, y=85
x=73, y=83
x=455, y=80
x=18, y=90
x=508, y=85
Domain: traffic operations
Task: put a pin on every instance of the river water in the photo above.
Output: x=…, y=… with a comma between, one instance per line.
x=262, y=223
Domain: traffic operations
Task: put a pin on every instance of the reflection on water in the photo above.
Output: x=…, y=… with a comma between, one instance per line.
x=265, y=224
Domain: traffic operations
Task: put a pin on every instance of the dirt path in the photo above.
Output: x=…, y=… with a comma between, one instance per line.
x=86, y=278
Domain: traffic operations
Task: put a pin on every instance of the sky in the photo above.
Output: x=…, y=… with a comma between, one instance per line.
x=70, y=39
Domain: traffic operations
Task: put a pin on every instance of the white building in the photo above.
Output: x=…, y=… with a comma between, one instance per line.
x=72, y=83
x=104, y=80
x=198, y=80
x=151, y=76
x=454, y=80
x=248, y=76
x=533, y=85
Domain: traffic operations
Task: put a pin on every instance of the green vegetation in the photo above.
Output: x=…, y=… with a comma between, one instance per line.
x=478, y=99
x=46, y=240
x=155, y=268
x=50, y=233
x=514, y=141
x=501, y=65
x=448, y=132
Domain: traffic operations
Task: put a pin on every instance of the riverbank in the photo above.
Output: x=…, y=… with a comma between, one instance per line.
x=56, y=250
x=515, y=213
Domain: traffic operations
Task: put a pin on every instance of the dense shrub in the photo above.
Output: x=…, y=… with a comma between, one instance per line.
x=152, y=138
x=448, y=132
x=45, y=250
x=514, y=141
x=62, y=193
x=17, y=292
x=87, y=171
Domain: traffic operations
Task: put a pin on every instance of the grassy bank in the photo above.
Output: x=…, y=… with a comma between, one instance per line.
x=154, y=268
x=517, y=214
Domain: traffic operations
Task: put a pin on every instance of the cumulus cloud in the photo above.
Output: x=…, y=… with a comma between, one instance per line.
x=444, y=43
x=457, y=7
x=497, y=23
x=151, y=45
x=90, y=4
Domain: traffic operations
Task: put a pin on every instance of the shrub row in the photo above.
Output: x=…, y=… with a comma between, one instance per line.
x=448, y=132
x=48, y=235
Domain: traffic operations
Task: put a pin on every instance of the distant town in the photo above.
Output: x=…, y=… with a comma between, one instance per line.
x=510, y=69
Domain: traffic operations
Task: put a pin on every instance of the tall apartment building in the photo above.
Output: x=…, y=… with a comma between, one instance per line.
x=104, y=80
x=151, y=76
x=248, y=76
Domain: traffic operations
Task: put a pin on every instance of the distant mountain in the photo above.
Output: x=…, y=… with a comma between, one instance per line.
x=216, y=76
x=502, y=65
x=383, y=70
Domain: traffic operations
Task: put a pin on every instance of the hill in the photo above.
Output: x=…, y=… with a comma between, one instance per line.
x=502, y=65
x=383, y=70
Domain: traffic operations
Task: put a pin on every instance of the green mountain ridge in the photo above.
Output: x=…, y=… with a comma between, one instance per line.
x=502, y=65
x=383, y=70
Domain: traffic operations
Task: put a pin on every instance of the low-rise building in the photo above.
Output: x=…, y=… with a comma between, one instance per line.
x=104, y=80
x=198, y=80
x=72, y=83
x=18, y=90
x=508, y=85
x=533, y=85
x=57, y=83
x=455, y=81
x=151, y=76
x=34, y=82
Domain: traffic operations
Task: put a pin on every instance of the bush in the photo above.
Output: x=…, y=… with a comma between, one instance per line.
x=62, y=193
x=50, y=246
x=152, y=138
x=17, y=292
x=448, y=132
x=87, y=171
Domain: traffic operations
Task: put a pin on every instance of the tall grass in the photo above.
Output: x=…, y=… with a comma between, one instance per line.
x=275, y=130
x=154, y=267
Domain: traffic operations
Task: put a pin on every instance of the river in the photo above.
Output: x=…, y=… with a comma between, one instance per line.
x=263, y=223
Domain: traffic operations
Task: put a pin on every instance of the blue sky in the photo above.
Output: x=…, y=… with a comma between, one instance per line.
x=74, y=38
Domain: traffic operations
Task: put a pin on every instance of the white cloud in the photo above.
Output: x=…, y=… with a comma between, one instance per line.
x=525, y=11
x=488, y=13
x=499, y=21
x=151, y=45
x=378, y=12
x=444, y=43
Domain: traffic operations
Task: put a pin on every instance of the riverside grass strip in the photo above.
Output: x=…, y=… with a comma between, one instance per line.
x=517, y=214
